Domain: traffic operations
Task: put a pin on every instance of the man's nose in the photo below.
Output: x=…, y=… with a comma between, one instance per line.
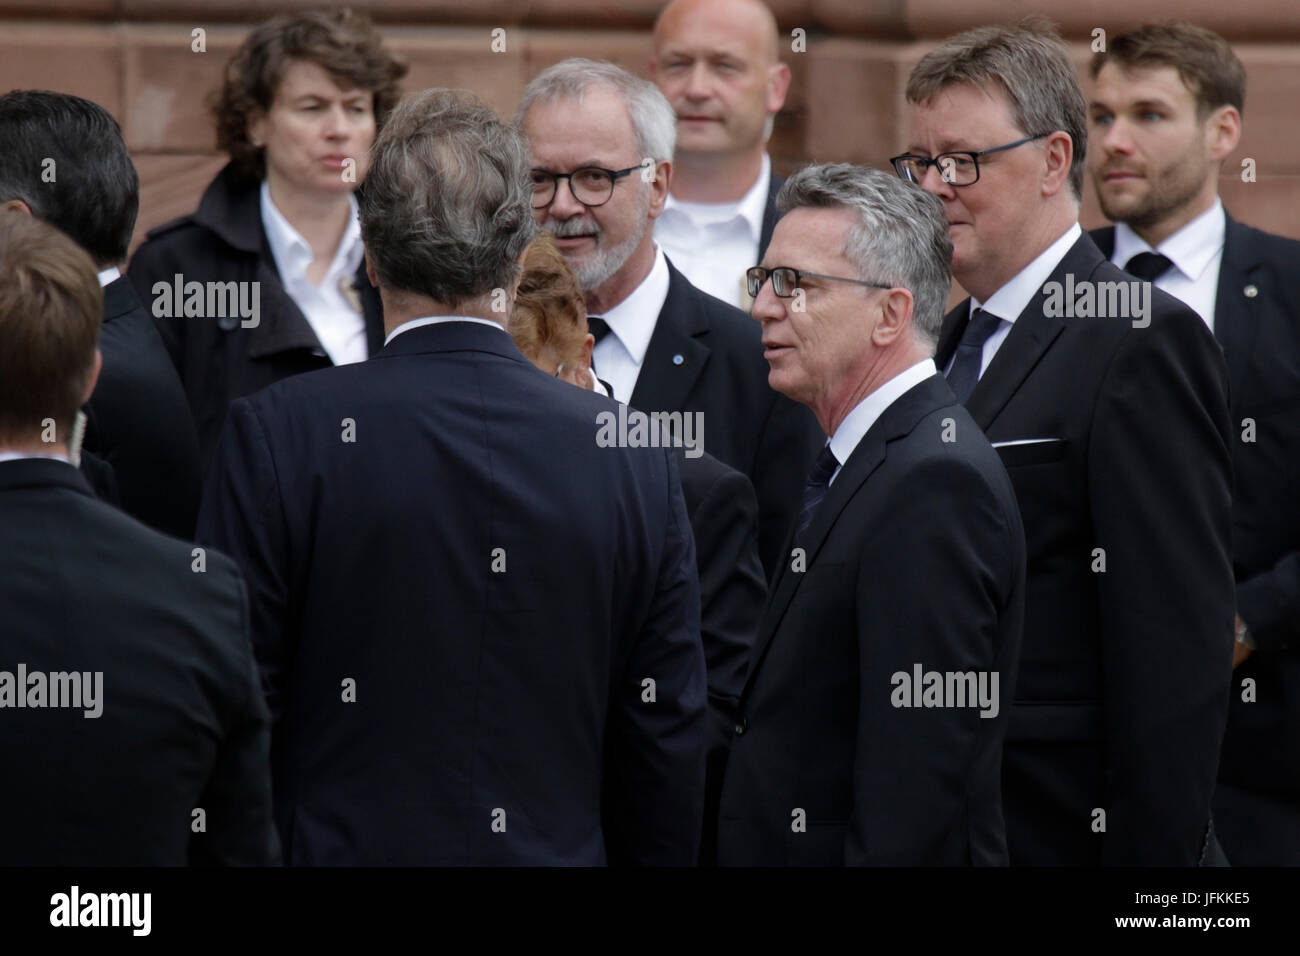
x=565, y=205
x=768, y=306
x=934, y=183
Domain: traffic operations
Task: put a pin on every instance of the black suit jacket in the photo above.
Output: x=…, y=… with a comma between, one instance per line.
x=218, y=359
x=707, y=356
x=1257, y=321
x=182, y=724
x=724, y=520
x=138, y=421
x=770, y=215
x=826, y=769
x=516, y=606
x=1122, y=693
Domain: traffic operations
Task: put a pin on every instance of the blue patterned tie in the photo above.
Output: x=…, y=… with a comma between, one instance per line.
x=815, y=488
x=965, y=371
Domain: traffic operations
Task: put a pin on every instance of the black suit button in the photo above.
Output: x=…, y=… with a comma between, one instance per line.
x=742, y=726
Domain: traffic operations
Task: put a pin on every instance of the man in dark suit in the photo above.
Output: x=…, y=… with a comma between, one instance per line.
x=871, y=725
x=132, y=722
x=1108, y=403
x=1162, y=191
x=478, y=627
x=661, y=343
x=65, y=162
x=718, y=64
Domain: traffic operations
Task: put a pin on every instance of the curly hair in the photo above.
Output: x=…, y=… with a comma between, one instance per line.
x=342, y=43
x=550, y=317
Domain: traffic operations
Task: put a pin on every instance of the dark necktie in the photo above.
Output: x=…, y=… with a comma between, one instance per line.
x=815, y=488
x=597, y=327
x=965, y=370
x=1147, y=266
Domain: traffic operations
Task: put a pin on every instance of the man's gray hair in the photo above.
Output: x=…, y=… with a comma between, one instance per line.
x=446, y=209
x=1030, y=63
x=900, y=237
x=652, y=117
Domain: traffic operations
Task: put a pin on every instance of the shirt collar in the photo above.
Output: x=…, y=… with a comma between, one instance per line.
x=1190, y=249
x=111, y=274
x=751, y=207
x=633, y=320
x=438, y=320
x=858, y=422
x=1014, y=297
x=20, y=455
x=293, y=253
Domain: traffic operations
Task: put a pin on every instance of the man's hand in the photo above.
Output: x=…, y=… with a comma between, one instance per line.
x=1239, y=650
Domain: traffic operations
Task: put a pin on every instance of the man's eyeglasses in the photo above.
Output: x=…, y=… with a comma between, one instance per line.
x=590, y=185
x=959, y=168
x=785, y=281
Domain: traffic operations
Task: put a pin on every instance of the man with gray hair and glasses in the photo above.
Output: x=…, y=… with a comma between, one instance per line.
x=478, y=629
x=870, y=728
x=602, y=147
x=1107, y=400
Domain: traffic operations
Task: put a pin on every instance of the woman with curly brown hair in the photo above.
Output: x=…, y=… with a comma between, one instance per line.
x=301, y=102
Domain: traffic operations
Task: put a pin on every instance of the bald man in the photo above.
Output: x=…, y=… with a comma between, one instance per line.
x=717, y=63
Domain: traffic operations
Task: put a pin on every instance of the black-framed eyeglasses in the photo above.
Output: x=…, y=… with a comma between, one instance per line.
x=785, y=281
x=590, y=185
x=959, y=168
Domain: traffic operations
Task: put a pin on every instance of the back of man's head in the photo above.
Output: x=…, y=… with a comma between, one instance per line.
x=447, y=208
x=1030, y=64
x=64, y=157
x=50, y=311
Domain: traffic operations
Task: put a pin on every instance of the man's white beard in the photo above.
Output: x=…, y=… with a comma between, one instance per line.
x=595, y=270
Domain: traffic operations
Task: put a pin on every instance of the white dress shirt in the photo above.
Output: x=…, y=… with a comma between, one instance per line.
x=438, y=320
x=111, y=274
x=1014, y=297
x=714, y=243
x=858, y=422
x=340, y=327
x=1196, y=250
x=618, y=356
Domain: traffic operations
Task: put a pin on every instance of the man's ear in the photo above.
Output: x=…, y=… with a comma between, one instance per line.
x=588, y=344
x=895, y=317
x=1059, y=154
x=778, y=85
x=93, y=377
x=370, y=271
x=1223, y=132
x=17, y=205
x=659, y=187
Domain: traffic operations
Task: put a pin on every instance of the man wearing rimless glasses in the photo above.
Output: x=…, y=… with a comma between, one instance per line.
x=1114, y=429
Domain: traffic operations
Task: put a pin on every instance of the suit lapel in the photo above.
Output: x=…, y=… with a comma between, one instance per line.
x=1235, y=322
x=896, y=421
x=675, y=356
x=770, y=215
x=1032, y=334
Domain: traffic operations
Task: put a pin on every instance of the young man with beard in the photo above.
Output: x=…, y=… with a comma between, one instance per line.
x=1165, y=114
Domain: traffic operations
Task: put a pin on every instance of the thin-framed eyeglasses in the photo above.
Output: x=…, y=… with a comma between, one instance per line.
x=785, y=281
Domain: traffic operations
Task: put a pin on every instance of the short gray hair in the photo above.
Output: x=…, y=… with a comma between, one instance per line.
x=900, y=238
x=1032, y=65
x=446, y=210
x=652, y=117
